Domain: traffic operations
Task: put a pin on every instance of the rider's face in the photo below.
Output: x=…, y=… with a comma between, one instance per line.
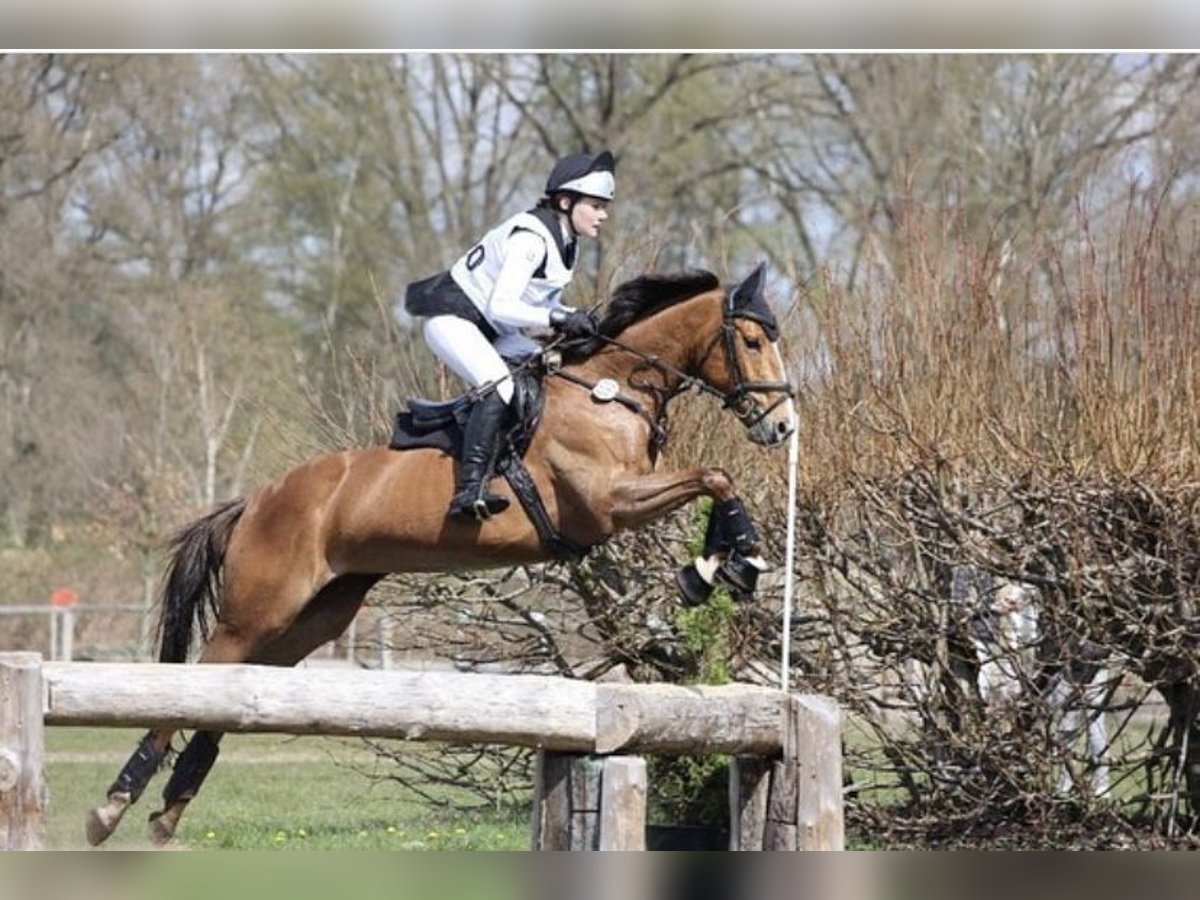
x=588, y=214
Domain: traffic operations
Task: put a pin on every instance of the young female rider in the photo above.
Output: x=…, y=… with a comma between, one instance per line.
x=476, y=314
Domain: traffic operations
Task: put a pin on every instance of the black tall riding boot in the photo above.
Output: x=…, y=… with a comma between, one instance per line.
x=471, y=498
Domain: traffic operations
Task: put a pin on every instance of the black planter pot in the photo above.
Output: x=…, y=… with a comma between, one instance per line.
x=686, y=837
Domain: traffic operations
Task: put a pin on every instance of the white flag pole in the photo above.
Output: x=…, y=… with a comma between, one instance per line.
x=790, y=553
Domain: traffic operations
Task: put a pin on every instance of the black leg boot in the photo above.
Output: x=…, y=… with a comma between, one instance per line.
x=471, y=499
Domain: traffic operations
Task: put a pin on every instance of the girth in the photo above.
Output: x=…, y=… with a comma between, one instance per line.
x=522, y=484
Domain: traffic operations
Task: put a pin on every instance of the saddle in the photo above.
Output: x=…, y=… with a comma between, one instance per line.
x=438, y=425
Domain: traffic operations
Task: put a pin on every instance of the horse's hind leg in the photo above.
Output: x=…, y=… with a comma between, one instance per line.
x=101, y=822
x=323, y=619
x=225, y=646
x=192, y=767
x=146, y=760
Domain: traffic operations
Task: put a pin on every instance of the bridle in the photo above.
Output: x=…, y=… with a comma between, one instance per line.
x=738, y=398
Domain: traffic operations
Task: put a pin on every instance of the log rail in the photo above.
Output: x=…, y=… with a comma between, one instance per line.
x=785, y=785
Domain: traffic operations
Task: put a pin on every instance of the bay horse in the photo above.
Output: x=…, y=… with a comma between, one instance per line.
x=286, y=569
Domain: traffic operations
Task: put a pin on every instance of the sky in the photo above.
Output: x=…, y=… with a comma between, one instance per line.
x=615, y=24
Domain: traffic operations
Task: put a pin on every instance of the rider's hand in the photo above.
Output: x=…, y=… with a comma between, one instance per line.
x=573, y=323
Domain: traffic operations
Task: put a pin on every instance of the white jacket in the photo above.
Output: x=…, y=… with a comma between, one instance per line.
x=515, y=275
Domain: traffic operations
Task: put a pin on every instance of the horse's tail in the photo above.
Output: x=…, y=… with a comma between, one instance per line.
x=193, y=580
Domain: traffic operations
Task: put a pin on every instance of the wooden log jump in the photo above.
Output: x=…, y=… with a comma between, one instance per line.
x=794, y=803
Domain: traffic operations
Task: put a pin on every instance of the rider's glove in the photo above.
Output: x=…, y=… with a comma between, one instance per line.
x=573, y=323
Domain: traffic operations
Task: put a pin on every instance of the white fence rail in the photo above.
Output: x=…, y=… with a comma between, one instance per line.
x=367, y=641
x=63, y=622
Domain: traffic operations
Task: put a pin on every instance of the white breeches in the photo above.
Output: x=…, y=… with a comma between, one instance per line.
x=471, y=356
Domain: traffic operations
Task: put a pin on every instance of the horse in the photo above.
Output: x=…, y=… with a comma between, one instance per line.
x=286, y=568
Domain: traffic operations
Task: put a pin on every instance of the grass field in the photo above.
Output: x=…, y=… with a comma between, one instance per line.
x=266, y=792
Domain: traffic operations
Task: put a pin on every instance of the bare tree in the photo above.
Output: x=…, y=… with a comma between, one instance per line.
x=52, y=127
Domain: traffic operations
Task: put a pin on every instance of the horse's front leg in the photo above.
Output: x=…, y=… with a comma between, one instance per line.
x=638, y=500
x=730, y=555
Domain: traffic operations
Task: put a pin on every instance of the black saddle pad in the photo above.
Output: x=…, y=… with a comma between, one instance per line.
x=436, y=426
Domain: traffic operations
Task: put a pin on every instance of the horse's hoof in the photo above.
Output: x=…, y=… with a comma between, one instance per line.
x=162, y=826
x=693, y=589
x=740, y=574
x=102, y=821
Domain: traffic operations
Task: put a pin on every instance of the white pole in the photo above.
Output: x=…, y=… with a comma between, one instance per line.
x=385, y=640
x=352, y=640
x=66, y=634
x=790, y=554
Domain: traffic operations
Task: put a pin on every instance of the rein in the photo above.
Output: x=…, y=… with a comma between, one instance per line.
x=658, y=424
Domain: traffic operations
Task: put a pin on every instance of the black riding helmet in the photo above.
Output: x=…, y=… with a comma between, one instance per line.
x=587, y=174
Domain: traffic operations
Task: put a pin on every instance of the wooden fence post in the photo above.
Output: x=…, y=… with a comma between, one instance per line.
x=749, y=782
x=22, y=752
x=804, y=806
x=623, y=790
x=589, y=802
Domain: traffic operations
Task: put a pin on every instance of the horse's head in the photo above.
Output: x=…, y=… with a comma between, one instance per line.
x=697, y=335
x=745, y=366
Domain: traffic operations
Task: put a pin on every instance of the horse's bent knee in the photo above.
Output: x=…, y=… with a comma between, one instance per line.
x=718, y=483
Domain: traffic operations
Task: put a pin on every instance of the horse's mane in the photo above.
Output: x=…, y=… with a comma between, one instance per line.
x=645, y=295
x=639, y=298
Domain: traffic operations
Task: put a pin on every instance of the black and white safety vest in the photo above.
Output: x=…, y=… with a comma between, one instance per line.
x=476, y=270
x=466, y=289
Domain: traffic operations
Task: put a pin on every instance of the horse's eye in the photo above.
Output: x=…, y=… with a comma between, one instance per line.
x=753, y=344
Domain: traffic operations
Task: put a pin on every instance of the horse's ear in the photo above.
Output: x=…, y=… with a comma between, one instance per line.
x=751, y=287
x=749, y=301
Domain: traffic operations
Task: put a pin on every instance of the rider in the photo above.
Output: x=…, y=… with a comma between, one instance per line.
x=511, y=280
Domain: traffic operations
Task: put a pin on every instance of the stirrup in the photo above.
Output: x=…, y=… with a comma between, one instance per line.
x=482, y=508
